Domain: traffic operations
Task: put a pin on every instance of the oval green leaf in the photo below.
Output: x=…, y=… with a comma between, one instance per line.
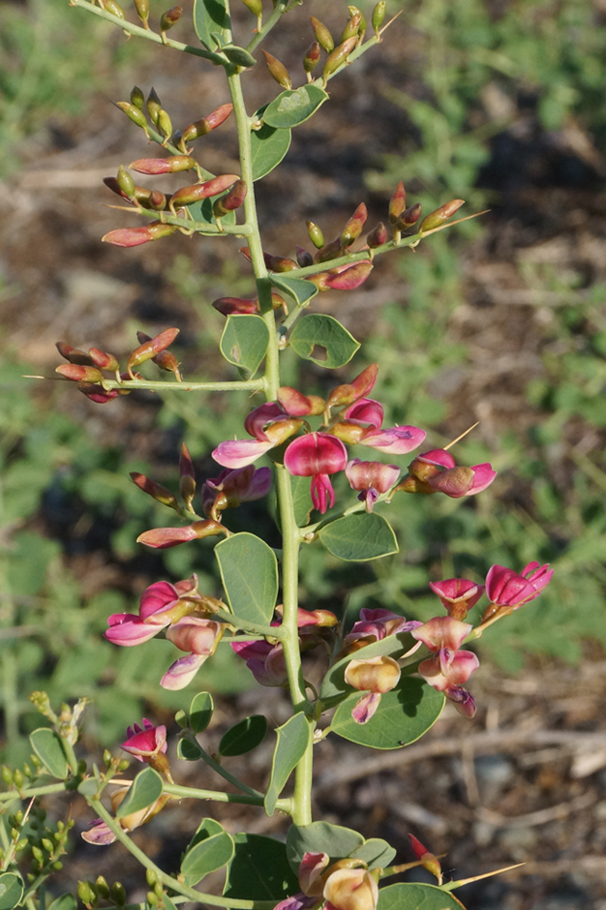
x=238, y=55
x=244, y=343
x=203, y=212
x=404, y=715
x=11, y=890
x=268, y=147
x=294, y=106
x=212, y=16
x=259, y=870
x=299, y=289
x=301, y=499
x=416, y=897
x=323, y=340
x=293, y=739
x=321, y=837
x=188, y=750
x=375, y=852
x=359, y=537
x=48, y=747
x=144, y=790
x=201, y=711
x=211, y=849
x=244, y=736
x=249, y=571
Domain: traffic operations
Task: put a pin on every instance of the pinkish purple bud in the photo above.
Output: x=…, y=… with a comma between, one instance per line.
x=98, y=394
x=409, y=217
x=505, y=588
x=164, y=538
x=198, y=191
x=349, y=277
x=128, y=237
x=304, y=258
x=78, y=373
x=232, y=201
x=397, y=203
x=103, y=361
x=230, y=305
x=153, y=489
x=377, y=237
x=151, y=348
x=73, y=355
x=358, y=388
x=173, y=165
x=354, y=226
x=458, y=595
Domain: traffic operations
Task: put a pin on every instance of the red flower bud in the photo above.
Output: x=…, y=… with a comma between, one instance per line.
x=170, y=18
x=153, y=489
x=349, y=277
x=377, y=237
x=172, y=165
x=206, y=125
x=79, y=373
x=353, y=228
x=230, y=305
x=198, y=191
x=165, y=538
x=150, y=349
x=358, y=388
x=74, y=355
x=312, y=57
x=103, y=361
x=136, y=236
x=232, y=201
x=397, y=203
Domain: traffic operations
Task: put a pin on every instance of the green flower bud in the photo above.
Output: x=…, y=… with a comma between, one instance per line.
x=117, y=893
x=170, y=18
x=142, y=7
x=158, y=889
x=35, y=761
x=27, y=770
x=86, y=893
x=338, y=57
x=315, y=234
x=124, y=765
x=354, y=11
x=439, y=216
x=133, y=113
x=137, y=97
x=57, y=865
x=312, y=57
x=38, y=854
x=48, y=845
x=126, y=182
x=7, y=775
x=151, y=877
x=352, y=28
x=323, y=36
x=164, y=124
x=21, y=844
x=18, y=778
x=114, y=8
x=278, y=71
x=255, y=6
x=102, y=887
x=378, y=16
x=154, y=106
x=152, y=899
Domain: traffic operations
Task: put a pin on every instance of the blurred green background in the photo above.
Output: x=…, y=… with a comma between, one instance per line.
x=501, y=320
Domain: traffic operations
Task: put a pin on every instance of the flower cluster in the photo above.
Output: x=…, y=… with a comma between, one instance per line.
x=344, y=885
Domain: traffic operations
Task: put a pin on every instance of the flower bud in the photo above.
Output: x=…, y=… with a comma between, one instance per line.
x=137, y=97
x=117, y=893
x=133, y=113
x=142, y=7
x=101, y=887
x=312, y=57
x=187, y=483
x=79, y=373
x=73, y=354
x=103, y=361
x=278, y=71
x=164, y=538
x=98, y=394
x=164, y=124
x=315, y=234
x=86, y=893
x=397, y=203
x=173, y=165
x=332, y=250
x=446, y=211
x=354, y=11
x=149, y=349
x=255, y=7
x=128, y=237
x=351, y=889
x=323, y=36
x=206, y=125
x=352, y=27
x=279, y=263
x=358, y=388
x=337, y=58
x=198, y=191
x=304, y=258
x=428, y=860
x=353, y=228
x=153, y=489
x=126, y=182
x=170, y=18
x=409, y=217
x=230, y=305
x=377, y=237
x=114, y=8
x=378, y=16
x=349, y=277
x=154, y=106
x=232, y=201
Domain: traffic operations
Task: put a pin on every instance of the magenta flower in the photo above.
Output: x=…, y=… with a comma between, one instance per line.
x=160, y=605
x=505, y=588
x=232, y=487
x=265, y=661
x=201, y=637
x=448, y=668
x=395, y=441
x=437, y=472
x=375, y=625
x=366, y=411
x=145, y=742
x=372, y=478
x=269, y=424
x=317, y=455
x=458, y=595
x=165, y=538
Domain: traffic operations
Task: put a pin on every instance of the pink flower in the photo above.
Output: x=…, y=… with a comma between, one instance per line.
x=366, y=411
x=436, y=472
x=201, y=637
x=505, y=588
x=375, y=625
x=351, y=889
x=145, y=742
x=265, y=661
x=317, y=455
x=458, y=595
x=395, y=441
x=376, y=675
x=232, y=487
x=372, y=478
x=269, y=424
x=160, y=604
x=448, y=668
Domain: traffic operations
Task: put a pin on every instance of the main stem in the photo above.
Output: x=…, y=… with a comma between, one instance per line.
x=301, y=802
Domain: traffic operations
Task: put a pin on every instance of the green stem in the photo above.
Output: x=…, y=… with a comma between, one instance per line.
x=258, y=628
x=227, y=775
x=198, y=227
x=174, y=386
x=275, y=17
x=218, y=796
x=147, y=34
x=168, y=880
x=11, y=795
x=272, y=366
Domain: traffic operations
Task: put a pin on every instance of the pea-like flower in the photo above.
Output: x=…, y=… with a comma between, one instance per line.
x=375, y=625
x=317, y=455
x=437, y=472
x=371, y=478
x=200, y=637
x=448, y=668
x=161, y=604
x=376, y=675
x=265, y=661
x=351, y=889
x=270, y=426
x=148, y=744
x=458, y=595
x=508, y=591
x=232, y=487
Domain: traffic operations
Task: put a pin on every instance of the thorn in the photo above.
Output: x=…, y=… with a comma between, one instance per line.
x=450, y=886
x=387, y=24
x=454, y=441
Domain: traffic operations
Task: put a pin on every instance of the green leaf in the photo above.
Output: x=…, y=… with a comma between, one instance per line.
x=375, y=852
x=301, y=498
x=238, y=55
x=403, y=716
x=321, y=837
x=249, y=571
x=203, y=211
x=244, y=736
x=259, y=870
x=201, y=711
x=89, y=787
x=416, y=897
x=359, y=537
x=300, y=290
x=293, y=739
x=188, y=750
x=212, y=16
x=211, y=849
x=144, y=790
x=268, y=147
x=395, y=646
x=244, y=343
x=318, y=331
x=48, y=747
x=11, y=890
x=64, y=902
x=294, y=106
